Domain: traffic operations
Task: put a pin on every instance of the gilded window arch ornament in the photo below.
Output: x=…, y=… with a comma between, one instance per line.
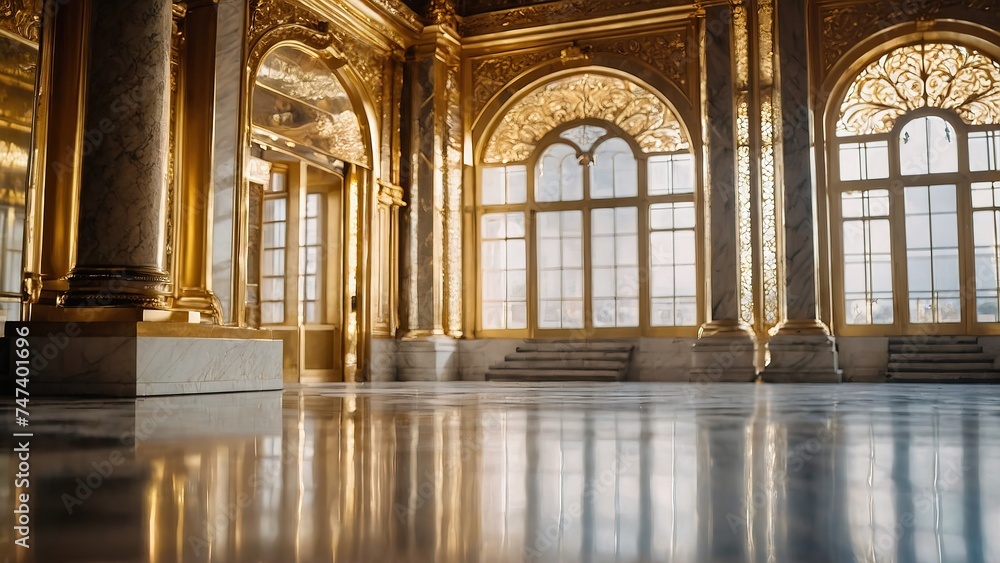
x=938, y=75
x=637, y=110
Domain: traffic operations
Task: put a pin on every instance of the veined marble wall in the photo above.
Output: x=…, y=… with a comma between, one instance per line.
x=228, y=62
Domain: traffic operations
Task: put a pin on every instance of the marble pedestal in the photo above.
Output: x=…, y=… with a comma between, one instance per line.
x=138, y=359
x=431, y=358
x=726, y=357
x=798, y=358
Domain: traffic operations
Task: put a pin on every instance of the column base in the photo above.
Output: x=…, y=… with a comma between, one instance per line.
x=429, y=358
x=724, y=352
x=802, y=352
x=144, y=288
x=129, y=359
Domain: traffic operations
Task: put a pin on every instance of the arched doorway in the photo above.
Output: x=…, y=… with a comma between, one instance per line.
x=306, y=163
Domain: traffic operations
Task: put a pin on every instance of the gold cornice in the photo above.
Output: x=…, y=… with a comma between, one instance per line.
x=565, y=12
x=370, y=21
x=580, y=31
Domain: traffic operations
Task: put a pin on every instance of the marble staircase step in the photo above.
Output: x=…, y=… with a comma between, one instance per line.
x=932, y=340
x=553, y=375
x=935, y=348
x=946, y=357
x=562, y=346
x=574, y=354
x=941, y=377
x=568, y=364
x=940, y=367
x=565, y=360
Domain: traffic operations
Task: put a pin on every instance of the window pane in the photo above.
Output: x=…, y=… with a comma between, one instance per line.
x=984, y=150
x=670, y=174
x=932, y=254
x=673, y=277
x=560, y=270
x=494, y=187
x=613, y=173
x=867, y=257
x=985, y=220
x=863, y=161
x=502, y=258
x=558, y=175
x=927, y=145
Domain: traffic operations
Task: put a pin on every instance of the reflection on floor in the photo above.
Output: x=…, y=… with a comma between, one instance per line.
x=501, y=472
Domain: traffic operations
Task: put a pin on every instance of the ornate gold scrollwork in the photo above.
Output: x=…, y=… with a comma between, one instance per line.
x=639, y=112
x=21, y=17
x=935, y=75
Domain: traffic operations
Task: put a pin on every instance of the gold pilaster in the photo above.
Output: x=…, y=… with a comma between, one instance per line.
x=52, y=231
x=193, y=150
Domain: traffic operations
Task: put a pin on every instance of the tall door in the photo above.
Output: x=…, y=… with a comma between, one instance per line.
x=301, y=267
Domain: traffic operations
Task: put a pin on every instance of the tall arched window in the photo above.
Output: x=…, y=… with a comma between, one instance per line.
x=586, y=216
x=915, y=165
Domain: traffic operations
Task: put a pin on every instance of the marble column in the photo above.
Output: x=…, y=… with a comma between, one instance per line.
x=725, y=347
x=802, y=349
x=428, y=350
x=121, y=229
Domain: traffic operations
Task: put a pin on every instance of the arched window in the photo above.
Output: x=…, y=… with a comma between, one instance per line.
x=586, y=215
x=915, y=164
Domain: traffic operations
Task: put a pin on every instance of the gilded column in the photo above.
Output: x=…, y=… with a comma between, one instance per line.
x=725, y=347
x=432, y=253
x=802, y=349
x=62, y=143
x=192, y=291
x=121, y=228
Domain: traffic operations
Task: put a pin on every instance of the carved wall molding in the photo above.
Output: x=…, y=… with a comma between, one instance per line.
x=21, y=17
x=557, y=12
x=667, y=52
x=844, y=26
x=490, y=75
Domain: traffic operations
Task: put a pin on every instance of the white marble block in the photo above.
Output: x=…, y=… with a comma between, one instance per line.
x=434, y=358
x=133, y=360
x=802, y=359
x=717, y=358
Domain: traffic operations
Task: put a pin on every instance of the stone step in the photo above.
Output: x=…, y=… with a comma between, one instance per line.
x=932, y=340
x=939, y=367
x=553, y=375
x=567, y=364
x=568, y=354
x=581, y=345
x=935, y=349
x=929, y=357
x=991, y=376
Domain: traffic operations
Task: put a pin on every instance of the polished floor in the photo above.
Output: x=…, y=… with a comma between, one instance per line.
x=507, y=472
